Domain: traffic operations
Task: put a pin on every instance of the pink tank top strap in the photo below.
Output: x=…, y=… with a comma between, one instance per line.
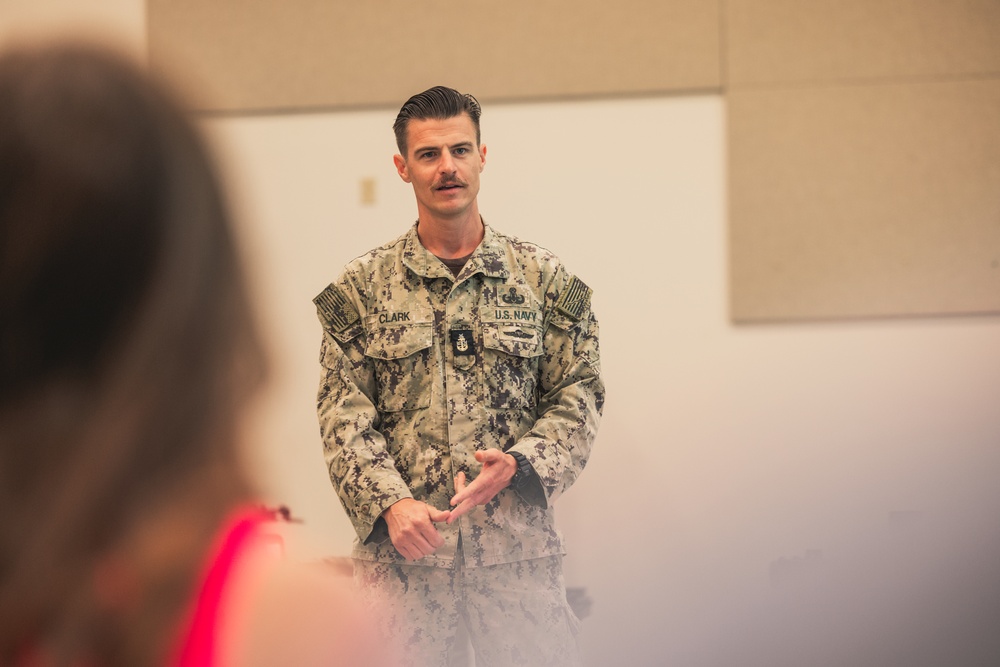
x=198, y=646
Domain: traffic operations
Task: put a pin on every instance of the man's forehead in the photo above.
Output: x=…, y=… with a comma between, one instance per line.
x=435, y=132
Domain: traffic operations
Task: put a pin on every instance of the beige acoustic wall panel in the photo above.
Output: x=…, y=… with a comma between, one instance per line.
x=304, y=54
x=861, y=201
x=806, y=41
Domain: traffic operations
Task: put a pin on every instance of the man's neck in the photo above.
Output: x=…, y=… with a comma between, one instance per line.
x=450, y=238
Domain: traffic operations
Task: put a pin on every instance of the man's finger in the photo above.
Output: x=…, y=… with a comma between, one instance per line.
x=427, y=544
x=427, y=537
x=464, y=507
x=420, y=545
x=459, y=489
x=488, y=455
x=463, y=495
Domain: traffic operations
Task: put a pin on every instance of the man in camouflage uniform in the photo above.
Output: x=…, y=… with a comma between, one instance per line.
x=460, y=397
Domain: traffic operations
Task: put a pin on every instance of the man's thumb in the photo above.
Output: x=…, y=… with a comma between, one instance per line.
x=438, y=516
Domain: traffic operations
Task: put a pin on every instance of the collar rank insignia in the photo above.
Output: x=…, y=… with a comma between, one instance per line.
x=335, y=310
x=462, y=342
x=575, y=299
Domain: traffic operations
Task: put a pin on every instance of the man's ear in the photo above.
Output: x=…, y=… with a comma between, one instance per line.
x=400, y=163
x=482, y=158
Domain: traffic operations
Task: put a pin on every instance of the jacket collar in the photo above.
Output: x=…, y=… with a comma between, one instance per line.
x=489, y=258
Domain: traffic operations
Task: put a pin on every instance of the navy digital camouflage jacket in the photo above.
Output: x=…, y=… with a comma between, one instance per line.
x=421, y=369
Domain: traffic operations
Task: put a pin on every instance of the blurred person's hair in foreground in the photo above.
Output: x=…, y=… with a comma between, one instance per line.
x=128, y=351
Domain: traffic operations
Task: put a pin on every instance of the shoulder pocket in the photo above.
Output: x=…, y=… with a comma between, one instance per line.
x=572, y=305
x=402, y=360
x=337, y=314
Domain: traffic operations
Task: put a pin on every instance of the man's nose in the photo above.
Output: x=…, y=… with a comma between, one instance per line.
x=447, y=164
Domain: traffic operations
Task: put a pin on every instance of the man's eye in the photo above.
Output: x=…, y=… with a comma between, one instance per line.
x=426, y=155
x=461, y=151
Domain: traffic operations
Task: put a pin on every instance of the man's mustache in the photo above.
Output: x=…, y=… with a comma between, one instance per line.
x=450, y=182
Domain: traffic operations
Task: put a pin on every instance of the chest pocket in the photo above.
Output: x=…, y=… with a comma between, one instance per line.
x=402, y=359
x=510, y=358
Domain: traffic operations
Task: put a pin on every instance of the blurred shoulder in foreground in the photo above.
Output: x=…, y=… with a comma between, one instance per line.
x=128, y=354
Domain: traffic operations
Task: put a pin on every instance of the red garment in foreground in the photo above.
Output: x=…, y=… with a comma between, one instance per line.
x=197, y=648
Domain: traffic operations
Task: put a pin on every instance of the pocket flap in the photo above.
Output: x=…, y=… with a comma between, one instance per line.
x=399, y=342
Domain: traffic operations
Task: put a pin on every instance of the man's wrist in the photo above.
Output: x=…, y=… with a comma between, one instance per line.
x=392, y=506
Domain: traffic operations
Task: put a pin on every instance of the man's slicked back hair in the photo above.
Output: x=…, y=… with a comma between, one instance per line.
x=438, y=103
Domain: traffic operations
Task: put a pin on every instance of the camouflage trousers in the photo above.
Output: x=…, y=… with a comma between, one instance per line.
x=514, y=613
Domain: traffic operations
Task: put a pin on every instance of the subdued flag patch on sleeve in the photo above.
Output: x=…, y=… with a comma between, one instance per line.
x=575, y=299
x=335, y=310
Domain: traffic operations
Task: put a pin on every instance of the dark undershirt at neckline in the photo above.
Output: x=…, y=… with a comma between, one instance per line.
x=456, y=264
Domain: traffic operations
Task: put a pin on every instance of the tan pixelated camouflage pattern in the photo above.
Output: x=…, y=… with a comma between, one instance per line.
x=515, y=614
x=402, y=409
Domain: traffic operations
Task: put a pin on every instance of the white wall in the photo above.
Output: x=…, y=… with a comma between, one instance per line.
x=723, y=448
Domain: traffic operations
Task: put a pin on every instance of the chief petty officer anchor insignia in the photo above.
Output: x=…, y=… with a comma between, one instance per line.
x=462, y=344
